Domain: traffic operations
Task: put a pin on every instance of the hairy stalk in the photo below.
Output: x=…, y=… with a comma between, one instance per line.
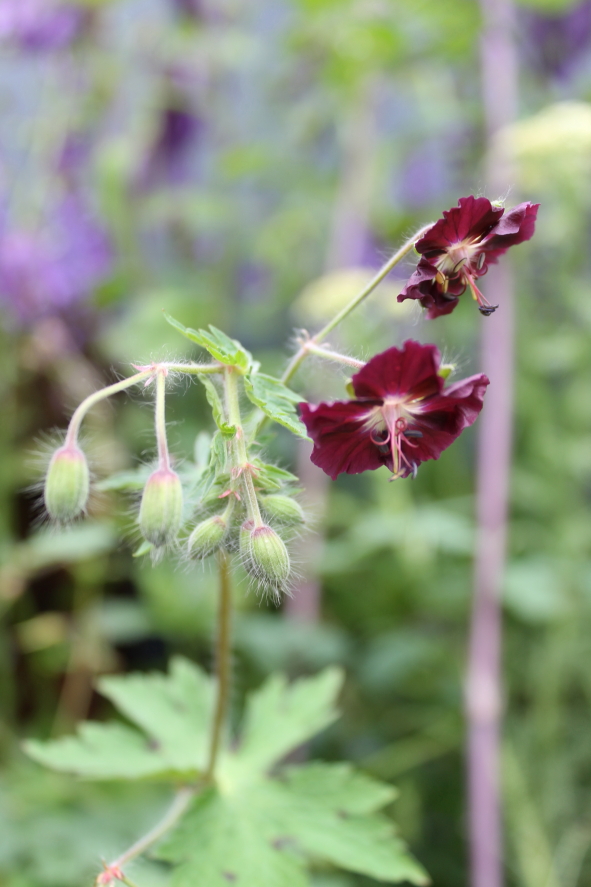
x=240, y=467
x=180, y=803
x=223, y=664
x=160, y=419
x=143, y=375
x=93, y=399
x=327, y=354
x=300, y=355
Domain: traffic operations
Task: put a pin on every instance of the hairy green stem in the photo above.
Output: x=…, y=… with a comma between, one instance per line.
x=143, y=375
x=93, y=399
x=241, y=467
x=223, y=663
x=179, y=805
x=160, y=420
x=327, y=354
x=300, y=355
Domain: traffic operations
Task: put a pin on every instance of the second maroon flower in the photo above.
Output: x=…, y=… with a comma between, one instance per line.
x=458, y=249
x=402, y=415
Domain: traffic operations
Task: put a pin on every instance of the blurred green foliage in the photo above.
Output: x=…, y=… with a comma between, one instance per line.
x=317, y=118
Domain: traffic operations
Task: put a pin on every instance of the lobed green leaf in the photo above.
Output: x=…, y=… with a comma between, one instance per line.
x=221, y=347
x=276, y=400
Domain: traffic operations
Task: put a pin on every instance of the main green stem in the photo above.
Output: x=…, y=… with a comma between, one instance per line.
x=223, y=661
x=240, y=467
x=300, y=355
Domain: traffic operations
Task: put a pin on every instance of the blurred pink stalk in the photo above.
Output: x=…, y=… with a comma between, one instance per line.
x=484, y=681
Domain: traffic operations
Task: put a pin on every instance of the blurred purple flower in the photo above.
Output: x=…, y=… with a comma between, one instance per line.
x=168, y=161
x=555, y=44
x=37, y=25
x=46, y=273
x=189, y=8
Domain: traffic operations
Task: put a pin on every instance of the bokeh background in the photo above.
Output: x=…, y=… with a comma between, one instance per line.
x=249, y=165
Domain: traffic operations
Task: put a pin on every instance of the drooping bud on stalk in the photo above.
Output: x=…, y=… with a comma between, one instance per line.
x=207, y=536
x=269, y=556
x=161, y=508
x=66, y=483
x=283, y=508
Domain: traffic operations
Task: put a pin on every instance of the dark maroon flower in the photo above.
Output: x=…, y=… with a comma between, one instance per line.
x=401, y=416
x=458, y=249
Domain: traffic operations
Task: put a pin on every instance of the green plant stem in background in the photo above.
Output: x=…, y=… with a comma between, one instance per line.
x=223, y=665
x=305, y=348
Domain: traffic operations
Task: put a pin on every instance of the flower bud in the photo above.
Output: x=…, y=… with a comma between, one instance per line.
x=269, y=557
x=283, y=508
x=66, y=484
x=161, y=508
x=207, y=536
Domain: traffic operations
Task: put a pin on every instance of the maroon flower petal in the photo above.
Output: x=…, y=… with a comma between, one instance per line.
x=515, y=227
x=473, y=217
x=411, y=371
x=341, y=443
x=423, y=286
x=444, y=417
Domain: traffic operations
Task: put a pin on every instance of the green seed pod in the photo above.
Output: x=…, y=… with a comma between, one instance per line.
x=66, y=484
x=207, y=536
x=269, y=556
x=283, y=508
x=161, y=509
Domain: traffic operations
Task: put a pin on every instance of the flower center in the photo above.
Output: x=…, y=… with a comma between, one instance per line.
x=389, y=426
x=456, y=263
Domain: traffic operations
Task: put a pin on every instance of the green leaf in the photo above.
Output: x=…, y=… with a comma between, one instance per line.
x=270, y=477
x=174, y=712
x=221, y=347
x=276, y=401
x=221, y=842
x=261, y=832
x=215, y=402
x=280, y=717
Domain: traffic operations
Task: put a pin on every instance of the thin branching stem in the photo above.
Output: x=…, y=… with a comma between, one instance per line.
x=304, y=350
x=223, y=664
x=178, y=807
x=160, y=420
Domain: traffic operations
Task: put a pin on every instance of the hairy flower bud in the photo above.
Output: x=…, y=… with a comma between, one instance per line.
x=207, y=536
x=269, y=557
x=161, y=508
x=66, y=484
x=283, y=508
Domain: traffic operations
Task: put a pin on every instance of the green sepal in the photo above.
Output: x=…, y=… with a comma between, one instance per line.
x=276, y=400
x=349, y=389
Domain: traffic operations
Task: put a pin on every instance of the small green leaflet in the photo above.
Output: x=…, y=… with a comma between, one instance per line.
x=172, y=711
x=272, y=478
x=276, y=401
x=215, y=402
x=221, y=347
